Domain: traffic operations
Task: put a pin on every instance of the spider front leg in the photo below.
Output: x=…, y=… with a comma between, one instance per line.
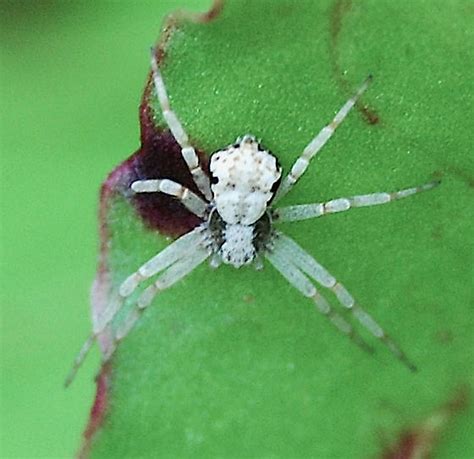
x=186, y=249
x=302, y=163
x=298, y=259
x=176, y=128
x=189, y=199
x=306, y=211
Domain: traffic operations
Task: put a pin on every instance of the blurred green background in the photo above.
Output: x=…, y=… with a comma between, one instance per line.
x=72, y=75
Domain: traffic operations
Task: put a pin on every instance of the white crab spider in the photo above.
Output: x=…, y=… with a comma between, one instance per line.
x=238, y=226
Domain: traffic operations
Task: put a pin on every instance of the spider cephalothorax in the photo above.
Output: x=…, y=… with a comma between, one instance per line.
x=243, y=179
x=238, y=215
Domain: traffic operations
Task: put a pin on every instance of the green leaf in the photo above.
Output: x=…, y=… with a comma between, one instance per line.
x=236, y=362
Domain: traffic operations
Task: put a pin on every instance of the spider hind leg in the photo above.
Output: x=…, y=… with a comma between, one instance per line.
x=174, y=273
x=176, y=261
x=295, y=264
x=300, y=281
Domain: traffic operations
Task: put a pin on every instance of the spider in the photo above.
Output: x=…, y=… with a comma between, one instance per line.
x=237, y=209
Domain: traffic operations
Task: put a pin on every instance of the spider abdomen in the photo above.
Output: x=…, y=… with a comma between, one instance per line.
x=238, y=248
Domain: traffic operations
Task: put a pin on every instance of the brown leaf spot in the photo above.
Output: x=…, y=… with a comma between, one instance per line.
x=339, y=9
x=420, y=440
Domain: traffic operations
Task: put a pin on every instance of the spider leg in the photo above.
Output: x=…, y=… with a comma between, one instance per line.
x=290, y=250
x=215, y=261
x=173, y=274
x=190, y=200
x=173, y=253
x=302, y=163
x=306, y=211
x=297, y=279
x=176, y=128
x=164, y=259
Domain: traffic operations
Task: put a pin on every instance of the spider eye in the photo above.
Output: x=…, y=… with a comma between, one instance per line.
x=214, y=179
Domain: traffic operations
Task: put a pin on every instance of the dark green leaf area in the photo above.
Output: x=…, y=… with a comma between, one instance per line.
x=235, y=362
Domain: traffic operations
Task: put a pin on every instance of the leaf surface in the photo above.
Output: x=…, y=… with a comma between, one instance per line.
x=236, y=362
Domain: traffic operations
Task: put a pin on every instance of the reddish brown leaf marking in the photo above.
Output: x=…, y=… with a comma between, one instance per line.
x=215, y=10
x=158, y=157
x=462, y=174
x=418, y=442
x=175, y=19
x=98, y=410
x=339, y=9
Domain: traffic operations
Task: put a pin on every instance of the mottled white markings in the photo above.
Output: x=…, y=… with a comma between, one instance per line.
x=238, y=248
x=243, y=177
